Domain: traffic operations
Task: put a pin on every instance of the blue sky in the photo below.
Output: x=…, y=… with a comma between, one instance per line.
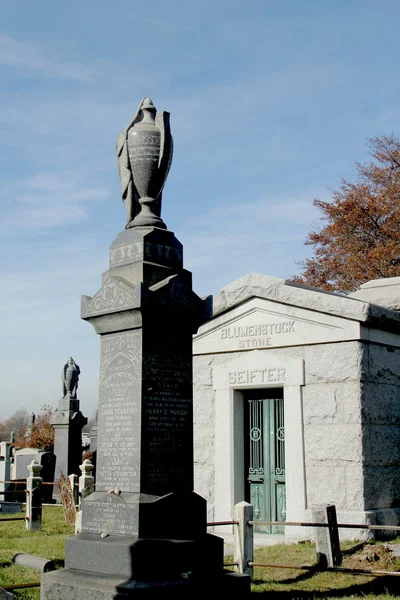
x=271, y=103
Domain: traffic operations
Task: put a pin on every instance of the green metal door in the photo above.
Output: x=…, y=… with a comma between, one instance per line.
x=265, y=461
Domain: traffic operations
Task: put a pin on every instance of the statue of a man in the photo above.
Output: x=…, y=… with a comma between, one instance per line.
x=69, y=378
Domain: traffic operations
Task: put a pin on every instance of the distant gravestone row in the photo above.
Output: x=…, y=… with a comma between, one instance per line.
x=68, y=422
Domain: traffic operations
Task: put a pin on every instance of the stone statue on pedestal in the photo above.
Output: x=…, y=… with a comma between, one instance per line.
x=69, y=378
x=144, y=152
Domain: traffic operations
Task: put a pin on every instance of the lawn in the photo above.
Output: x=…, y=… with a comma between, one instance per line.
x=272, y=583
x=48, y=543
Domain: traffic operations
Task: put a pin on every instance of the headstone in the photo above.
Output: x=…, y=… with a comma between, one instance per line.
x=34, y=497
x=48, y=462
x=73, y=482
x=23, y=458
x=144, y=530
x=86, y=480
x=93, y=433
x=19, y=472
x=68, y=422
x=5, y=463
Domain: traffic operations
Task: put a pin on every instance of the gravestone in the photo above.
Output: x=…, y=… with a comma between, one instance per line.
x=19, y=469
x=23, y=458
x=93, y=433
x=144, y=530
x=68, y=422
x=5, y=463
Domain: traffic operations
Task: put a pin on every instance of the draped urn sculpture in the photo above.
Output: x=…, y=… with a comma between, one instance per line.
x=144, y=152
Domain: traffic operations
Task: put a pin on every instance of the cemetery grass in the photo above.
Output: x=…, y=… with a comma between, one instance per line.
x=294, y=584
x=284, y=584
x=47, y=543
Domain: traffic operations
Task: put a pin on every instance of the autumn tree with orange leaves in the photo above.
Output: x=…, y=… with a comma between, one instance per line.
x=41, y=433
x=360, y=237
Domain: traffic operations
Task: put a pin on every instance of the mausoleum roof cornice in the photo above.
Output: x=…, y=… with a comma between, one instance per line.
x=284, y=291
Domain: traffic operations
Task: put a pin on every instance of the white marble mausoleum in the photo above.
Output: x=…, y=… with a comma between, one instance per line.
x=297, y=402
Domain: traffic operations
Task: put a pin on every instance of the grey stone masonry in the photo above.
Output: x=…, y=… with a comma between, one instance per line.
x=144, y=529
x=146, y=313
x=68, y=422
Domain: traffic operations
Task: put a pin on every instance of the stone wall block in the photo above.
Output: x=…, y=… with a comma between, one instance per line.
x=202, y=370
x=333, y=445
x=329, y=363
x=380, y=487
x=383, y=364
x=204, y=482
x=381, y=445
x=323, y=403
x=380, y=404
x=325, y=484
x=354, y=482
x=204, y=445
x=203, y=406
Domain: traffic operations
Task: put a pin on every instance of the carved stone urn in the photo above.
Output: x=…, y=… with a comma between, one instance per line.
x=150, y=155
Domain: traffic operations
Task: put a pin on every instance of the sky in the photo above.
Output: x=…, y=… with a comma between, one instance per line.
x=271, y=104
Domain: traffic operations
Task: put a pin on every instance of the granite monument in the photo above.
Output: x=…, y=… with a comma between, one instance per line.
x=144, y=529
x=68, y=422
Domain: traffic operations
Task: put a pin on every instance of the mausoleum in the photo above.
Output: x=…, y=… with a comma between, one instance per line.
x=297, y=402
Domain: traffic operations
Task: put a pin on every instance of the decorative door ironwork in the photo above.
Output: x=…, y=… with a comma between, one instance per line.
x=266, y=459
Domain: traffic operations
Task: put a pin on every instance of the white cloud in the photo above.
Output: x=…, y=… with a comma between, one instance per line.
x=29, y=56
x=48, y=200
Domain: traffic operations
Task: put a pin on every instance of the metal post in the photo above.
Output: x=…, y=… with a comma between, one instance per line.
x=244, y=543
x=34, y=497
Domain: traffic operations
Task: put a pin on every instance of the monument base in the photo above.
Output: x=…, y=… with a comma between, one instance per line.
x=118, y=567
x=81, y=585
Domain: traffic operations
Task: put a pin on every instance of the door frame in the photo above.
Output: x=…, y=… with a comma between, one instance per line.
x=270, y=416
x=257, y=369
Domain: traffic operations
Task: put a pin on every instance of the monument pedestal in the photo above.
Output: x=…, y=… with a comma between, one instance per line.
x=68, y=422
x=175, y=555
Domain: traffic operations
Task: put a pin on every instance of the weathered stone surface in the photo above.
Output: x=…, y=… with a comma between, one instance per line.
x=202, y=370
x=381, y=445
x=383, y=365
x=328, y=363
x=326, y=483
x=204, y=444
x=204, y=410
x=146, y=245
x=380, y=404
x=354, y=482
x=332, y=403
x=385, y=292
x=204, y=483
x=287, y=292
x=381, y=487
x=333, y=445
x=262, y=323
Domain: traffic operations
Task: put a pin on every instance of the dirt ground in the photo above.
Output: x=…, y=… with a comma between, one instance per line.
x=376, y=557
